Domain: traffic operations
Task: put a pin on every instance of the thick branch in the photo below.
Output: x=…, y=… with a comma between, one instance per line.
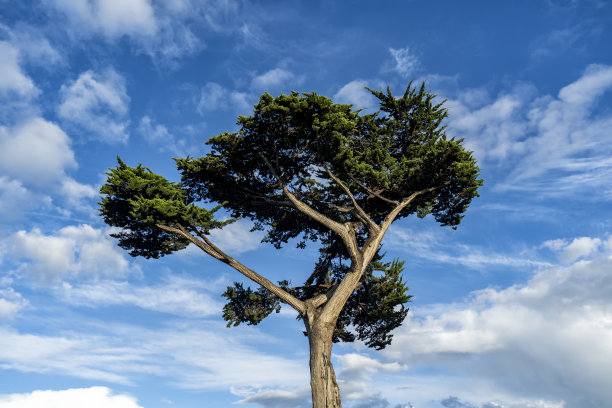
x=343, y=230
x=351, y=280
x=373, y=227
x=208, y=247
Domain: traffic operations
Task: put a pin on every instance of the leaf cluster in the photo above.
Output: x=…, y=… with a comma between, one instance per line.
x=137, y=200
x=370, y=314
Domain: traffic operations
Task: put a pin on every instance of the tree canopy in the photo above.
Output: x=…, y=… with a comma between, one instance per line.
x=304, y=168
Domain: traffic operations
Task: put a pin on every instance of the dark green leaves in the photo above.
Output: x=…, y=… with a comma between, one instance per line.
x=248, y=306
x=383, y=158
x=137, y=200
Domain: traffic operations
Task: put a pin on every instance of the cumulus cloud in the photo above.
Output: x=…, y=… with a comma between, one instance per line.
x=34, y=48
x=15, y=199
x=96, y=397
x=10, y=302
x=98, y=103
x=274, y=78
x=578, y=248
x=358, y=366
x=354, y=93
x=73, y=252
x=35, y=156
x=36, y=152
x=525, y=337
x=13, y=81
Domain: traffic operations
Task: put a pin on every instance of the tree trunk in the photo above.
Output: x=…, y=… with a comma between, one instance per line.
x=325, y=391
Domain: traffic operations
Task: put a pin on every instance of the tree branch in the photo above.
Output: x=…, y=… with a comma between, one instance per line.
x=373, y=227
x=211, y=249
x=343, y=230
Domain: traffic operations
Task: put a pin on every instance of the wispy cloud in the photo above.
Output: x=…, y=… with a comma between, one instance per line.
x=215, y=97
x=552, y=145
x=182, y=355
x=179, y=296
x=405, y=62
x=158, y=135
x=97, y=102
x=430, y=245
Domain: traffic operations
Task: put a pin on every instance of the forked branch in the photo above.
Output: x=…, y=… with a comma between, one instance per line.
x=344, y=231
x=373, y=227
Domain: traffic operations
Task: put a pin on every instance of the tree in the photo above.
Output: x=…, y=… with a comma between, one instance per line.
x=303, y=167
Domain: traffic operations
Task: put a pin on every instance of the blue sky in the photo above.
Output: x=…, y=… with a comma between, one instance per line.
x=511, y=310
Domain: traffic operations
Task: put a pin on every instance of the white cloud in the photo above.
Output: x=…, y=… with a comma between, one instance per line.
x=354, y=93
x=97, y=102
x=15, y=199
x=405, y=62
x=10, y=302
x=164, y=30
x=432, y=245
x=95, y=397
x=12, y=79
x=185, y=297
x=33, y=47
x=112, y=19
x=535, y=137
x=216, y=97
x=159, y=135
x=274, y=78
x=559, y=319
x=74, y=251
x=237, y=237
x=357, y=366
x=183, y=355
x=578, y=248
x=34, y=157
x=297, y=397
x=36, y=152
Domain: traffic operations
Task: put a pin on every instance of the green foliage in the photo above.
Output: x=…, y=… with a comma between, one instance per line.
x=248, y=306
x=377, y=306
x=137, y=200
x=371, y=313
x=393, y=153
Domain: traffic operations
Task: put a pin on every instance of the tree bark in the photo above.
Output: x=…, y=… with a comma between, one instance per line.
x=323, y=384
